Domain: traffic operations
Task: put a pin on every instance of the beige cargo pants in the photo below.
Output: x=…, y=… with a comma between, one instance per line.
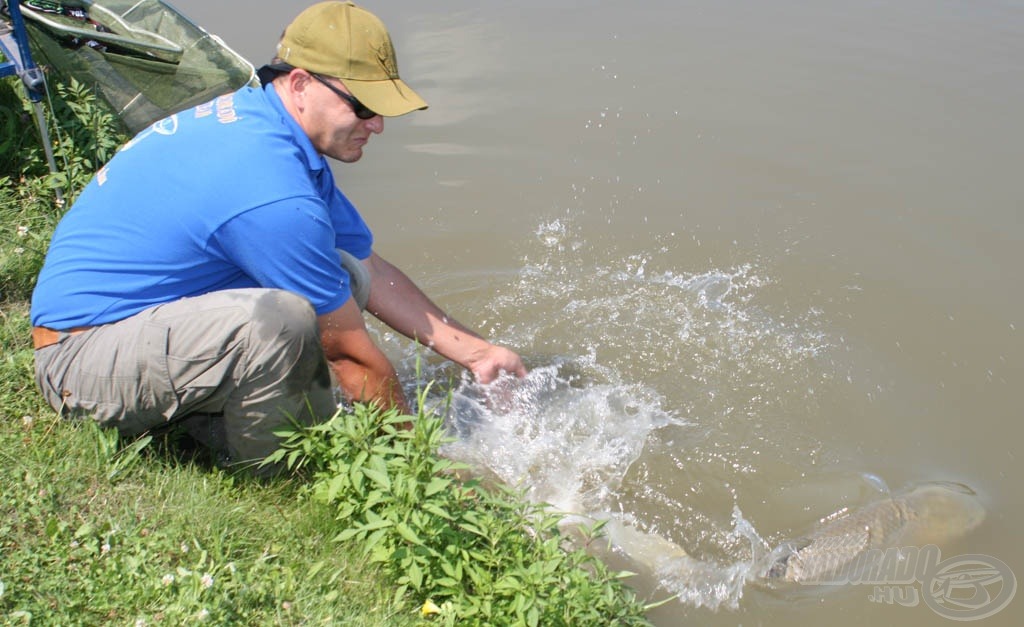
x=232, y=366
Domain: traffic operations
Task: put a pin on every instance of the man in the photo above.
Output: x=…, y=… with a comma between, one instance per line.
x=197, y=279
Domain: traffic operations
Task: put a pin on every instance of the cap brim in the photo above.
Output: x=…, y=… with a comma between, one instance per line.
x=388, y=98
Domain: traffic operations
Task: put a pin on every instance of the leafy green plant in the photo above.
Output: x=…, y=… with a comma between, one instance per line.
x=32, y=200
x=471, y=555
x=83, y=129
x=88, y=134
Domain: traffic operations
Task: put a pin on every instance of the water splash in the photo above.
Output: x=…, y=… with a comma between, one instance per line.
x=694, y=582
x=567, y=441
x=569, y=444
x=658, y=392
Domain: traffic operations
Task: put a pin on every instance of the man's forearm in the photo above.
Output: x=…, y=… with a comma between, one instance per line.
x=400, y=304
x=362, y=384
x=361, y=369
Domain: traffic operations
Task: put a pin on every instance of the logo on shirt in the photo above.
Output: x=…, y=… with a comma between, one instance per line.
x=166, y=126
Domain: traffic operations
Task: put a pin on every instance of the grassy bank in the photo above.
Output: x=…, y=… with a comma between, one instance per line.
x=368, y=530
x=94, y=531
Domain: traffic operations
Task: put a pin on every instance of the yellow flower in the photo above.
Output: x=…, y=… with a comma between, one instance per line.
x=429, y=608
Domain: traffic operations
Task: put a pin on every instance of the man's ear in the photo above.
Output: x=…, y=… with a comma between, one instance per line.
x=292, y=89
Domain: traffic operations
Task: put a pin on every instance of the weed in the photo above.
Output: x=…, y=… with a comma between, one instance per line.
x=470, y=555
x=86, y=136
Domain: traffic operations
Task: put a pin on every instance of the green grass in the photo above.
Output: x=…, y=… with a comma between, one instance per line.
x=95, y=531
x=369, y=527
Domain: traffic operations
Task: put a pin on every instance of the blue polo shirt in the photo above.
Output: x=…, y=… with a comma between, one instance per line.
x=230, y=194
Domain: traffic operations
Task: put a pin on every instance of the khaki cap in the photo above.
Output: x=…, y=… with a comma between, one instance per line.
x=348, y=42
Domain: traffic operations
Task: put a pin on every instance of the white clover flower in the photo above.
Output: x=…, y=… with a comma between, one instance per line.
x=19, y=251
x=74, y=544
x=206, y=580
x=22, y=231
x=27, y=420
x=203, y=614
x=105, y=548
x=167, y=579
x=140, y=622
x=184, y=547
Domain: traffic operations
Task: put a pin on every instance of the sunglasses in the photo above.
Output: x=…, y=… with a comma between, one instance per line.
x=361, y=111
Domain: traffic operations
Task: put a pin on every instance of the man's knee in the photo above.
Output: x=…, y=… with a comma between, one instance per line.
x=284, y=325
x=284, y=316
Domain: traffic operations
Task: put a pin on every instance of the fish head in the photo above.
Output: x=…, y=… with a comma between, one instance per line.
x=944, y=511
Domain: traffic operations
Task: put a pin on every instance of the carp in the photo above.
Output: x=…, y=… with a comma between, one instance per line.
x=838, y=550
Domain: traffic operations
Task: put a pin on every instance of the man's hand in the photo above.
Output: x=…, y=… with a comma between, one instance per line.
x=494, y=361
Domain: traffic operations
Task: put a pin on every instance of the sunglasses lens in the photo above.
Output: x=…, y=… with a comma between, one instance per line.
x=358, y=108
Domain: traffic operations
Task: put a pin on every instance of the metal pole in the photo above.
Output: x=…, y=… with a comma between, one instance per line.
x=35, y=83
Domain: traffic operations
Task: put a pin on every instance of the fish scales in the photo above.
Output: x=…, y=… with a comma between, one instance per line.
x=928, y=514
x=844, y=538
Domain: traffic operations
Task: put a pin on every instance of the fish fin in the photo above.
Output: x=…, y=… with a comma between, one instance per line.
x=836, y=515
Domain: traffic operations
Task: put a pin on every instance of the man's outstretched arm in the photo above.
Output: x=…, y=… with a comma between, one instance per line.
x=400, y=304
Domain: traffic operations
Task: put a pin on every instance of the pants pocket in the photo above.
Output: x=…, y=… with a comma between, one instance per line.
x=157, y=398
